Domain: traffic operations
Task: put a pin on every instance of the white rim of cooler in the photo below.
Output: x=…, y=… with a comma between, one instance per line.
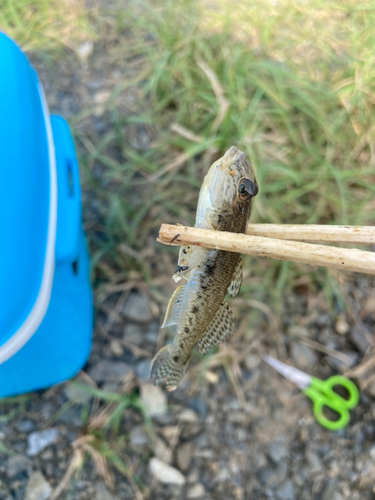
x=38, y=311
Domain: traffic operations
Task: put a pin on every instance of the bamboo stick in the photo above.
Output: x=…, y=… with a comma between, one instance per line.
x=306, y=253
x=311, y=232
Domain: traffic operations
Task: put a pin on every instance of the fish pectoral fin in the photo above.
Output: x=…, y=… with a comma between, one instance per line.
x=236, y=282
x=190, y=256
x=221, y=328
x=174, y=307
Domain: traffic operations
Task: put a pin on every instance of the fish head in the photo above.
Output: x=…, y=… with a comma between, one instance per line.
x=229, y=185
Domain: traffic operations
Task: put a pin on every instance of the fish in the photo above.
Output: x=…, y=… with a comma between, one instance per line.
x=197, y=311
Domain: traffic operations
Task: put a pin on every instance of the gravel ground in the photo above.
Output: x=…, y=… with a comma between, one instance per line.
x=232, y=430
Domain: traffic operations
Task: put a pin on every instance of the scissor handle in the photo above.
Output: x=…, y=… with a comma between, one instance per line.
x=322, y=394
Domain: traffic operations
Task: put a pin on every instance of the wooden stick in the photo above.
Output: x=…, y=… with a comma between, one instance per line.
x=310, y=232
x=306, y=253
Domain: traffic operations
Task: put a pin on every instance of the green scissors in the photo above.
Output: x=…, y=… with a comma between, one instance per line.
x=321, y=393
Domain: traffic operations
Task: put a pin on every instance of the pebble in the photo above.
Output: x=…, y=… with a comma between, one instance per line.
x=278, y=449
x=313, y=460
x=196, y=491
x=37, y=441
x=252, y=361
x=298, y=332
x=102, y=492
x=109, y=371
x=17, y=464
x=154, y=400
x=303, y=356
x=116, y=348
x=359, y=339
x=183, y=456
x=38, y=488
x=138, y=436
x=24, y=426
x=342, y=326
x=84, y=50
x=162, y=451
x=142, y=369
x=165, y=473
x=197, y=404
x=133, y=334
x=286, y=491
x=187, y=415
x=137, y=308
x=77, y=394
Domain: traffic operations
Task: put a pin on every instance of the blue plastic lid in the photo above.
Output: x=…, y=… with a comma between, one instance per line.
x=28, y=199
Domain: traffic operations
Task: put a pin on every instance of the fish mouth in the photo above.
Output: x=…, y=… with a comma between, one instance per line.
x=233, y=154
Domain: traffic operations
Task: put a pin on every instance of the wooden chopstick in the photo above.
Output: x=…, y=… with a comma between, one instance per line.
x=310, y=232
x=297, y=251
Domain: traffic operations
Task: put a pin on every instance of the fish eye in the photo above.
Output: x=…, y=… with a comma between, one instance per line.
x=242, y=188
x=247, y=189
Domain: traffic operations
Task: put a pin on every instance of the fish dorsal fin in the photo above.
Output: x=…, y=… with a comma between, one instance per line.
x=174, y=307
x=190, y=256
x=236, y=282
x=221, y=328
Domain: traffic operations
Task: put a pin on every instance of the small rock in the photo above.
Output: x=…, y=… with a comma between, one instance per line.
x=116, y=348
x=367, y=477
x=187, y=415
x=298, y=332
x=77, y=394
x=197, y=404
x=154, y=400
x=85, y=50
x=101, y=97
x=313, y=460
x=142, y=369
x=102, y=492
x=278, y=449
x=137, y=308
x=222, y=475
x=286, y=491
x=372, y=452
x=183, y=456
x=331, y=493
x=38, y=488
x=111, y=386
x=196, y=491
x=133, y=334
x=165, y=473
x=162, y=451
x=341, y=326
x=252, y=361
x=17, y=464
x=37, y=441
x=138, y=436
x=24, y=426
x=369, y=307
x=303, y=356
x=109, y=371
x=359, y=339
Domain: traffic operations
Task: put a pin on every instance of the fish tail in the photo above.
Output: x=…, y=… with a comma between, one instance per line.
x=165, y=369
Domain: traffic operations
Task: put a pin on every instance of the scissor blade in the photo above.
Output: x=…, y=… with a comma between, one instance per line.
x=300, y=379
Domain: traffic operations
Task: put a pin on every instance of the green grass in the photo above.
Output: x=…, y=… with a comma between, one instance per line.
x=299, y=79
x=44, y=24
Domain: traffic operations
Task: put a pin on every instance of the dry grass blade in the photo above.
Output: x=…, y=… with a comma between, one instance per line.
x=295, y=251
x=186, y=133
x=327, y=350
x=362, y=368
x=75, y=465
x=217, y=88
x=101, y=465
x=177, y=162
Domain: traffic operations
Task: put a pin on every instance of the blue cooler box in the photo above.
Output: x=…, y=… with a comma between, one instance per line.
x=45, y=297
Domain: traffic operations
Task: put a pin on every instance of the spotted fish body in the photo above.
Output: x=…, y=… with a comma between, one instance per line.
x=198, y=311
